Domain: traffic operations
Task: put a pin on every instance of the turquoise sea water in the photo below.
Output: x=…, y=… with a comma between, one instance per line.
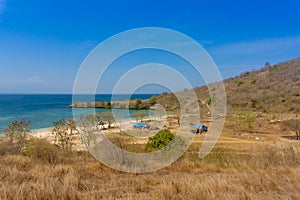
x=43, y=110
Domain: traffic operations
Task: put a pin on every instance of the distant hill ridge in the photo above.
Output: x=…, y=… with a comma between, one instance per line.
x=270, y=89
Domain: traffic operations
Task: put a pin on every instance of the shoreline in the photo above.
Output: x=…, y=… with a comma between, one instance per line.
x=126, y=122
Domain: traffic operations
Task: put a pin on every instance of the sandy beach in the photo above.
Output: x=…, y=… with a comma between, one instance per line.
x=125, y=125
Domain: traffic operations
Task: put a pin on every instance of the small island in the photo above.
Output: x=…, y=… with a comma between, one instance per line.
x=136, y=104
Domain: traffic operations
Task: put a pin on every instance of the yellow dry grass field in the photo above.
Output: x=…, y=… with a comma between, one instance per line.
x=242, y=167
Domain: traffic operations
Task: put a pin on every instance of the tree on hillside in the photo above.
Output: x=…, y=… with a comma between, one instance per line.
x=17, y=133
x=292, y=125
x=152, y=100
x=137, y=103
x=267, y=64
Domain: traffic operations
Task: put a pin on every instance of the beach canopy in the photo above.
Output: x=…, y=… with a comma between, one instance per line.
x=201, y=126
x=140, y=125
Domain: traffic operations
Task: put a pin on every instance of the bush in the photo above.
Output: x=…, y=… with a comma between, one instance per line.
x=292, y=125
x=160, y=140
x=211, y=100
x=239, y=82
x=137, y=103
x=5, y=148
x=254, y=102
x=152, y=101
x=42, y=150
x=274, y=67
x=253, y=81
x=108, y=104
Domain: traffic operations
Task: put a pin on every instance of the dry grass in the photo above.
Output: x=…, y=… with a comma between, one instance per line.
x=265, y=172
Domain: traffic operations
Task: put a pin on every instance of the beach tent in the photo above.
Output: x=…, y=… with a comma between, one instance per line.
x=141, y=125
x=200, y=127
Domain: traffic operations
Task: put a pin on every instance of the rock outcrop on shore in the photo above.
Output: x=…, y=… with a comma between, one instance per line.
x=131, y=104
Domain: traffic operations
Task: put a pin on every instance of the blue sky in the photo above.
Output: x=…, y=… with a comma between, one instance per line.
x=43, y=43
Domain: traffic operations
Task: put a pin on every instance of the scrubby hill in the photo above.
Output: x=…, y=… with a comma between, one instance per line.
x=272, y=89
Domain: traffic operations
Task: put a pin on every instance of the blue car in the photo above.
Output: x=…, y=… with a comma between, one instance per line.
x=200, y=128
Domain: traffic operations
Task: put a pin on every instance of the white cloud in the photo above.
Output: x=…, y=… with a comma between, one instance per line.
x=18, y=81
x=33, y=79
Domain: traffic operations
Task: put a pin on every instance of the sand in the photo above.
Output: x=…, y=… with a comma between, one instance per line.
x=42, y=133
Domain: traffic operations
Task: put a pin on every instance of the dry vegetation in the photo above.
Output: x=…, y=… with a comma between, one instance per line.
x=256, y=157
x=264, y=172
x=270, y=90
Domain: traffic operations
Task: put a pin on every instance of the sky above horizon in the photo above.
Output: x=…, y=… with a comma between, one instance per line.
x=43, y=43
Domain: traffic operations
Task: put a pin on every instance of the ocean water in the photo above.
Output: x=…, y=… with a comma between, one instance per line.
x=43, y=110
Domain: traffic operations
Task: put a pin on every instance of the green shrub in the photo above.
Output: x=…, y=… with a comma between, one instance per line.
x=210, y=100
x=108, y=104
x=152, y=101
x=254, y=102
x=239, y=82
x=253, y=81
x=274, y=67
x=160, y=140
x=137, y=103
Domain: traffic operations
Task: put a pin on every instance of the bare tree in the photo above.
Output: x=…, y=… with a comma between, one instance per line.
x=292, y=125
x=87, y=126
x=17, y=133
x=64, y=133
x=108, y=117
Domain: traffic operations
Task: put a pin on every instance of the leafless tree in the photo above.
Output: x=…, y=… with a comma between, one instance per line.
x=292, y=125
x=17, y=133
x=108, y=117
x=64, y=133
x=87, y=126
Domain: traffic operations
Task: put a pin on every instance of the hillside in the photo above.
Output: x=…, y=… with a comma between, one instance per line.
x=272, y=89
